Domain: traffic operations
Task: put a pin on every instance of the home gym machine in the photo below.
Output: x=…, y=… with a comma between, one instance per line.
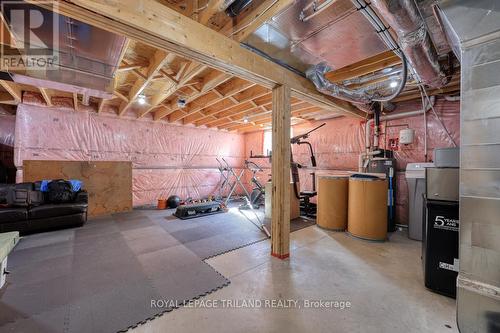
x=307, y=207
x=230, y=181
x=258, y=191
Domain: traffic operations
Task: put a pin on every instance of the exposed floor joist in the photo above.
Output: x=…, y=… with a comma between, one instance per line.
x=366, y=66
x=213, y=95
x=166, y=29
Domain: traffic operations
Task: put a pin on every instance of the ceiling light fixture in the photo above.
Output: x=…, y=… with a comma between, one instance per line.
x=141, y=99
x=181, y=103
x=393, y=84
x=245, y=119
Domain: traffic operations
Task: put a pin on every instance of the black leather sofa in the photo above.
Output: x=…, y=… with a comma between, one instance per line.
x=44, y=217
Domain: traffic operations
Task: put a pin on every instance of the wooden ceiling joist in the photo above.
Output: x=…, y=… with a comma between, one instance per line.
x=159, y=26
x=207, y=116
x=46, y=96
x=254, y=124
x=6, y=98
x=75, y=101
x=170, y=86
x=101, y=104
x=366, y=66
x=12, y=89
x=160, y=58
x=168, y=58
x=199, y=107
x=264, y=112
x=209, y=84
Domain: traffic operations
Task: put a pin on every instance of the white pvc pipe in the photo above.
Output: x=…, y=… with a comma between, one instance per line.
x=362, y=157
x=396, y=116
x=425, y=129
x=368, y=153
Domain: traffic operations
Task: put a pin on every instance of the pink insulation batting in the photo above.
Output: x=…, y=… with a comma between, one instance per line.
x=167, y=159
x=338, y=144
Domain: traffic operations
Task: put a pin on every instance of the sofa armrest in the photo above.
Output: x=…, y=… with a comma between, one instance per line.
x=82, y=197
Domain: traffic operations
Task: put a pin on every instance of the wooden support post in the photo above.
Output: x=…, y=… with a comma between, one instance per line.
x=280, y=225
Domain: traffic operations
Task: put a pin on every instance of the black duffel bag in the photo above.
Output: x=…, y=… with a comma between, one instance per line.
x=60, y=191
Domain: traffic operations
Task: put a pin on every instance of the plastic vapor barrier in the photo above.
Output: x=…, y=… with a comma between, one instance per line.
x=167, y=159
x=338, y=144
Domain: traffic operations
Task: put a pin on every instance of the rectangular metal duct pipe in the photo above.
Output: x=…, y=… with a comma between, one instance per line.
x=88, y=56
x=474, y=26
x=403, y=16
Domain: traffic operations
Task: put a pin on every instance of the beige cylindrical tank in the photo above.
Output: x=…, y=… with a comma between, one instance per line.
x=332, y=202
x=367, y=212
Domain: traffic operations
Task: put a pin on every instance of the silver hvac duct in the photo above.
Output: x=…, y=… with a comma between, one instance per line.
x=403, y=16
x=81, y=63
x=360, y=95
x=472, y=28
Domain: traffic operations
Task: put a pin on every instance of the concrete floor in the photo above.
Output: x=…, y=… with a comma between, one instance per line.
x=382, y=281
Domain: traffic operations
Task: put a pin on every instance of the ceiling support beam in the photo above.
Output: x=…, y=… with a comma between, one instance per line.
x=280, y=169
x=159, y=26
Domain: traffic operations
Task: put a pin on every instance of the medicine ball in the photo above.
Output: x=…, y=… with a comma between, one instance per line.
x=173, y=201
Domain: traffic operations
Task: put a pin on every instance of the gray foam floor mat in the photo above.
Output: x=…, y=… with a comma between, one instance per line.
x=212, y=235
x=101, y=277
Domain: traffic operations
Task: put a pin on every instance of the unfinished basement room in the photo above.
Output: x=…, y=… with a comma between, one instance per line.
x=250, y=166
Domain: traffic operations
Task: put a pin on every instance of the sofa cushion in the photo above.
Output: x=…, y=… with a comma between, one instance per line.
x=54, y=210
x=13, y=214
x=24, y=186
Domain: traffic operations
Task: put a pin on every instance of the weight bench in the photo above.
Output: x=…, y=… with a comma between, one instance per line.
x=199, y=209
x=8, y=241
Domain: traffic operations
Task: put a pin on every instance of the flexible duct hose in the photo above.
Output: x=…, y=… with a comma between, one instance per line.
x=402, y=83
